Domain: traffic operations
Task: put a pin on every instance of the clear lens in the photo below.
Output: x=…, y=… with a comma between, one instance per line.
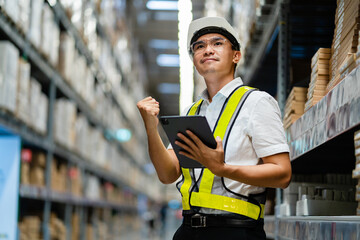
x=216, y=43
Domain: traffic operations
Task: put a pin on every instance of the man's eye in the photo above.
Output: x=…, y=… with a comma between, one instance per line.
x=198, y=46
x=219, y=43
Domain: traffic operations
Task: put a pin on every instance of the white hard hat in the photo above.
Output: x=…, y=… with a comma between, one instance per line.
x=206, y=25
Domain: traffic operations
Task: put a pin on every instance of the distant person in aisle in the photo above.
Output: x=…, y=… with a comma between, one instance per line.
x=224, y=200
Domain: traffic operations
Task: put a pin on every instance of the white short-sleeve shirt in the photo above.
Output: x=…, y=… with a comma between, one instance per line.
x=257, y=132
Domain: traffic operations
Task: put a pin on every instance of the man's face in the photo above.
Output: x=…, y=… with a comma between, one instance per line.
x=213, y=54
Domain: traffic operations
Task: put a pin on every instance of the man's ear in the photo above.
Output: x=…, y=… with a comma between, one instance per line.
x=237, y=56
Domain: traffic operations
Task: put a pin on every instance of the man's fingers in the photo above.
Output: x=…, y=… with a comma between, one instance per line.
x=189, y=142
x=219, y=145
x=197, y=141
x=185, y=147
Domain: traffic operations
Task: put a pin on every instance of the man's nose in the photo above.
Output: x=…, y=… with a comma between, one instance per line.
x=208, y=48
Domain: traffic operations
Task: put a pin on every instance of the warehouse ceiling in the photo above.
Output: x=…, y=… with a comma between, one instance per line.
x=157, y=33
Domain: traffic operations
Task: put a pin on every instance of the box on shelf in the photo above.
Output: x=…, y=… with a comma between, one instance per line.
x=9, y=56
x=75, y=181
x=319, y=77
x=57, y=228
x=64, y=122
x=58, y=176
x=11, y=8
x=37, y=169
x=295, y=105
x=30, y=228
x=38, y=107
x=66, y=56
x=22, y=111
x=75, y=230
x=345, y=41
x=35, y=22
x=24, y=15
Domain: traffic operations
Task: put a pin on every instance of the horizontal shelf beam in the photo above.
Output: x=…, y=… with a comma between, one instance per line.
x=41, y=193
x=335, y=114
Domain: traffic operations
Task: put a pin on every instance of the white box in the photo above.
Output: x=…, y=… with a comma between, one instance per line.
x=35, y=91
x=43, y=113
x=66, y=56
x=23, y=95
x=9, y=56
x=55, y=44
x=35, y=22
x=24, y=15
x=47, y=18
x=12, y=9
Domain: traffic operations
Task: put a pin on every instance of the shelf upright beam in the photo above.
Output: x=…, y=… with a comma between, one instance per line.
x=49, y=157
x=283, y=76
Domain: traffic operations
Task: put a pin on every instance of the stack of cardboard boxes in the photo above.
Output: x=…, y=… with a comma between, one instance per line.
x=29, y=228
x=295, y=105
x=33, y=168
x=22, y=105
x=319, y=77
x=57, y=228
x=9, y=57
x=75, y=230
x=58, y=176
x=64, y=122
x=356, y=171
x=75, y=181
x=345, y=40
x=18, y=95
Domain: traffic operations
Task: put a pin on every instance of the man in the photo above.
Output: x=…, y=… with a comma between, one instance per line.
x=225, y=199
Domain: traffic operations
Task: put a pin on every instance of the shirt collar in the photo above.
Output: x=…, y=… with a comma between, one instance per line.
x=225, y=91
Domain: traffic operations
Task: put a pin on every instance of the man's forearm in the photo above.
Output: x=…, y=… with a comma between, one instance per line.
x=165, y=163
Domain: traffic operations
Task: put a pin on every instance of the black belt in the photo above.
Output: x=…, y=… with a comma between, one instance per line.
x=198, y=220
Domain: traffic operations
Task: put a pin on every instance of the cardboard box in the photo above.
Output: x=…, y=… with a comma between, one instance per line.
x=23, y=95
x=11, y=8
x=9, y=56
x=35, y=22
x=24, y=15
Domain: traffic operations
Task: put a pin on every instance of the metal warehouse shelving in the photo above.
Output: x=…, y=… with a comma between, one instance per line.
x=57, y=83
x=323, y=138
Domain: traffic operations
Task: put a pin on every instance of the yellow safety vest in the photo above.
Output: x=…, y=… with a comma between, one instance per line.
x=204, y=197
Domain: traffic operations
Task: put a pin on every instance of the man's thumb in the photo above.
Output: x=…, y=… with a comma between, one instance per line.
x=219, y=142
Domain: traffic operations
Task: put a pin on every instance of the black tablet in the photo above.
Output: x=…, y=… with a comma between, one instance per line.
x=196, y=124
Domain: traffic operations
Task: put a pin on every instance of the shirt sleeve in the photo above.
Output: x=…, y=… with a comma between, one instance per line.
x=265, y=128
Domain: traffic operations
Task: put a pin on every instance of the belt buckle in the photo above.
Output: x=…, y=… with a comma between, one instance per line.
x=198, y=221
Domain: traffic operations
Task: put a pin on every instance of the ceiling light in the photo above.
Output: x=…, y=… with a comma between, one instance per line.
x=168, y=60
x=163, y=44
x=162, y=5
x=186, y=66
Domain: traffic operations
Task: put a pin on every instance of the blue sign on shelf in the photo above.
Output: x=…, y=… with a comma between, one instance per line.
x=9, y=186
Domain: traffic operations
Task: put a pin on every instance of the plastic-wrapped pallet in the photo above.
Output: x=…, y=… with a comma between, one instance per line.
x=319, y=77
x=22, y=111
x=295, y=105
x=35, y=22
x=9, y=57
x=345, y=39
